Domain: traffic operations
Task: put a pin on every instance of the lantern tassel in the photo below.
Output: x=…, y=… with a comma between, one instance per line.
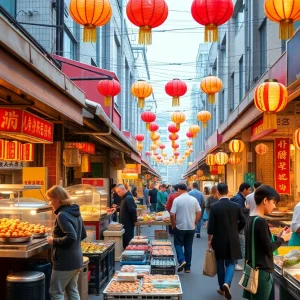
x=141, y=102
x=89, y=33
x=211, y=33
x=147, y=126
x=178, y=126
x=194, y=135
x=175, y=101
x=221, y=170
x=211, y=98
x=204, y=124
x=145, y=35
x=270, y=120
x=286, y=29
x=107, y=101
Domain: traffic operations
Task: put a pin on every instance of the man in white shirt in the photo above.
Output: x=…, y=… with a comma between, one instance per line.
x=185, y=215
x=250, y=202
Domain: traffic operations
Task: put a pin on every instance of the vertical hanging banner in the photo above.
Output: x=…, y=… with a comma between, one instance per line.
x=282, y=166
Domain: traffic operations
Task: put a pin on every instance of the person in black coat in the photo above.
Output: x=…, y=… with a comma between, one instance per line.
x=128, y=215
x=68, y=232
x=226, y=220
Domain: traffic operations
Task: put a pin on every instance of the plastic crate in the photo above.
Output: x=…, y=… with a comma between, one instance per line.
x=143, y=262
x=163, y=269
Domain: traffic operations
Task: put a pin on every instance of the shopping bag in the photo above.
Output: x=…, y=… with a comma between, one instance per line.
x=249, y=280
x=210, y=263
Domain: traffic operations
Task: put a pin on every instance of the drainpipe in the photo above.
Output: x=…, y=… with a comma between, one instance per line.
x=143, y=49
x=60, y=16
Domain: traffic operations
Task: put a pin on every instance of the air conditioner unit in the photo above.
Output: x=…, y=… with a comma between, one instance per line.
x=71, y=157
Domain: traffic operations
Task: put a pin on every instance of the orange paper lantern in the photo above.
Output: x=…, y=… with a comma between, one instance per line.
x=270, y=97
x=194, y=129
x=154, y=136
x=204, y=116
x=292, y=150
x=147, y=176
x=285, y=13
x=261, y=149
x=153, y=147
x=221, y=159
x=141, y=89
x=234, y=160
x=200, y=173
x=189, y=143
x=236, y=146
x=210, y=160
x=178, y=117
x=90, y=13
x=211, y=85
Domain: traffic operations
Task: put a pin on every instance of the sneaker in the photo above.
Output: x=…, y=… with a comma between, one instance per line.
x=238, y=268
x=181, y=267
x=226, y=288
x=221, y=292
x=198, y=235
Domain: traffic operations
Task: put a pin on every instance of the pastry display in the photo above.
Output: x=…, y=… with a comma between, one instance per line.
x=161, y=243
x=149, y=288
x=137, y=247
x=162, y=252
x=151, y=278
x=139, y=242
x=90, y=209
x=123, y=287
x=92, y=247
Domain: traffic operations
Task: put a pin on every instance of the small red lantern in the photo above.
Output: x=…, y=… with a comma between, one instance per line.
x=140, y=137
x=211, y=14
x=147, y=176
x=176, y=88
x=172, y=128
x=153, y=127
x=148, y=153
x=189, y=135
x=176, y=154
x=162, y=147
x=175, y=146
x=173, y=137
x=146, y=15
x=148, y=117
x=261, y=149
x=109, y=88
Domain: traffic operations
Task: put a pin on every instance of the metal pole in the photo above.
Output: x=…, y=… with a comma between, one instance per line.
x=60, y=6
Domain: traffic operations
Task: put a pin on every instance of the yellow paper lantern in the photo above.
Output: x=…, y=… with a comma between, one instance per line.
x=189, y=143
x=210, y=160
x=221, y=159
x=296, y=138
x=194, y=129
x=154, y=136
x=236, y=146
x=211, y=85
x=292, y=150
x=141, y=89
x=204, y=116
x=178, y=117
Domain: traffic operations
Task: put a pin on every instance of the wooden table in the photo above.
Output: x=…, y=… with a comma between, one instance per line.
x=154, y=223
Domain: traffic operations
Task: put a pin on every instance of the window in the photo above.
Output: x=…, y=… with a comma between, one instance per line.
x=70, y=45
x=231, y=101
x=239, y=19
x=263, y=47
x=241, y=79
x=10, y=6
x=116, y=61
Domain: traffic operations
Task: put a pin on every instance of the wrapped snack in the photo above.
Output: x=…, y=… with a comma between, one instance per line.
x=127, y=276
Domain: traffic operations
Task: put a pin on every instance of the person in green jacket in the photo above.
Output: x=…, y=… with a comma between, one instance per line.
x=162, y=196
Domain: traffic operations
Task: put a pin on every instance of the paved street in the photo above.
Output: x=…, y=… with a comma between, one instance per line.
x=195, y=285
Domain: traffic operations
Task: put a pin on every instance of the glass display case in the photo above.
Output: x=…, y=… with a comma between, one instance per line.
x=93, y=201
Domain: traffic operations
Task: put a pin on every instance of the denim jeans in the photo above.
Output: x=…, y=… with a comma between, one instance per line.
x=199, y=225
x=225, y=276
x=242, y=245
x=153, y=207
x=64, y=282
x=184, y=238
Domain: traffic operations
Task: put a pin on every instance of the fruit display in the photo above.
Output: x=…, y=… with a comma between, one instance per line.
x=92, y=248
x=159, y=216
x=137, y=247
x=163, y=262
x=139, y=242
x=162, y=252
x=14, y=228
x=149, y=288
x=123, y=287
x=161, y=243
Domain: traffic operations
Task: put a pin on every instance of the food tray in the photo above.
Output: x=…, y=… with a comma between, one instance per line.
x=125, y=262
x=39, y=235
x=139, y=242
x=162, y=293
x=137, y=247
x=158, y=255
x=161, y=243
x=118, y=293
x=133, y=257
x=289, y=274
x=16, y=240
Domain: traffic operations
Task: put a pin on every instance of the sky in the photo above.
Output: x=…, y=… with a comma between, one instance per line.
x=173, y=55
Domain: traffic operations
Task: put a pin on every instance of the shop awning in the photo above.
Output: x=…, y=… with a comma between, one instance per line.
x=149, y=169
x=28, y=78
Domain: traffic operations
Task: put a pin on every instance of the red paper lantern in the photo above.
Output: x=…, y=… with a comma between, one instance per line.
x=189, y=135
x=162, y=147
x=214, y=170
x=153, y=127
x=261, y=149
x=175, y=146
x=176, y=154
x=140, y=137
x=173, y=137
x=148, y=153
x=176, y=88
x=109, y=88
x=148, y=117
x=211, y=14
x=146, y=15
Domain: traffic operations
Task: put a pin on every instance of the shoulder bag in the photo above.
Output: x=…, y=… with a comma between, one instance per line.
x=249, y=280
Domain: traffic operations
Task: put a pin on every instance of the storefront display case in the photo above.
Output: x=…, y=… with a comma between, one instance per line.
x=93, y=202
x=27, y=212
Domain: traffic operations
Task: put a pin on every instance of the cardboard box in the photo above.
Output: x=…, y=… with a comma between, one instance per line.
x=161, y=234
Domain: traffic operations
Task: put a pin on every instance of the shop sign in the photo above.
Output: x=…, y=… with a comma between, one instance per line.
x=282, y=166
x=293, y=61
x=16, y=165
x=83, y=147
x=129, y=176
x=22, y=122
x=258, y=131
x=132, y=169
x=93, y=181
x=249, y=178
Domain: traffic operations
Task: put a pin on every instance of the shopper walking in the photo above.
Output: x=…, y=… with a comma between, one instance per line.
x=185, y=215
x=169, y=204
x=162, y=196
x=265, y=199
x=152, y=198
x=128, y=215
x=240, y=200
x=68, y=232
x=250, y=201
x=226, y=220
x=213, y=198
x=146, y=194
x=200, y=198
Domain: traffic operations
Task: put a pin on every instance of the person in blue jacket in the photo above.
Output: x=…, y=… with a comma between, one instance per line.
x=68, y=232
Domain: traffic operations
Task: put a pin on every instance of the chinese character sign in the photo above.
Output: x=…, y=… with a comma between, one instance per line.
x=282, y=166
x=83, y=147
x=10, y=120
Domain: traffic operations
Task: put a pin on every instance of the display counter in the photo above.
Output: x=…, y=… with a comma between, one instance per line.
x=152, y=223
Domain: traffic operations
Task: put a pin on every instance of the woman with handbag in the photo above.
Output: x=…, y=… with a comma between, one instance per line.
x=257, y=279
